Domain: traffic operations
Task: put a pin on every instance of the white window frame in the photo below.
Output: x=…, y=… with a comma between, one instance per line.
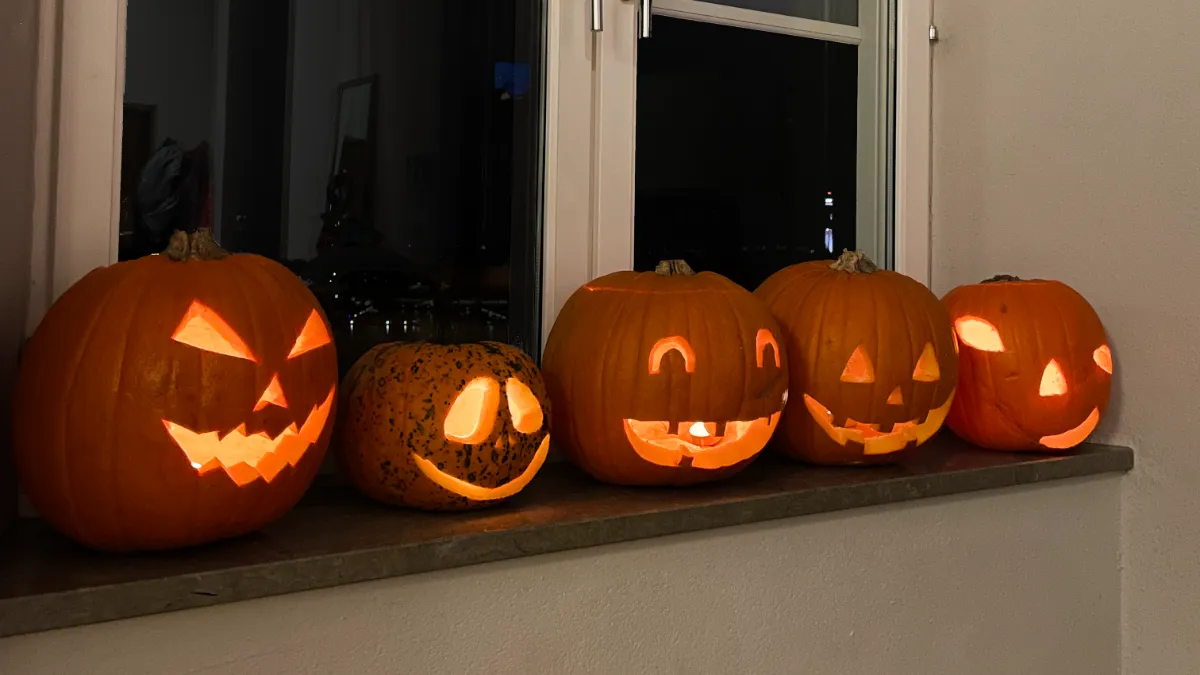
x=78, y=145
x=592, y=99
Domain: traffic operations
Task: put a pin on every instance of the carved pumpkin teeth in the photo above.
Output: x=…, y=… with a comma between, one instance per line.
x=698, y=441
x=874, y=440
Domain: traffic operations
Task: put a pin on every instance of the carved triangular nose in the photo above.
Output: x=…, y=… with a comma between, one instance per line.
x=896, y=397
x=272, y=396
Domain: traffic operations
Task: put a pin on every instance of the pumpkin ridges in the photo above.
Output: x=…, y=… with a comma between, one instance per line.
x=828, y=313
x=1043, y=320
x=596, y=365
x=132, y=486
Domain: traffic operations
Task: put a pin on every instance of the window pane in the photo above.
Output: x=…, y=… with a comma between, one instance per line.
x=387, y=152
x=834, y=11
x=746, y=149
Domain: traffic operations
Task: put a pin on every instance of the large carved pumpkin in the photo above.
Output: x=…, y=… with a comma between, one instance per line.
x=665, y=377
x=873, y=370
x=175, y=399
x=1035, y=365
x=443, y=427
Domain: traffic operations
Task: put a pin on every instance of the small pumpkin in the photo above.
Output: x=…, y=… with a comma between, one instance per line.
x=175, y=399
x=873, y=368
x=664, y=378
x=443, y=427
x=1035, y=365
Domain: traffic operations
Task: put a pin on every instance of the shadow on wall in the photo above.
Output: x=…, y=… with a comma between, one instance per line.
x=18, y=53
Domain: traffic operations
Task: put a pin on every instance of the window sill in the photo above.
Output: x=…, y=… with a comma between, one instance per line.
x=336, y=537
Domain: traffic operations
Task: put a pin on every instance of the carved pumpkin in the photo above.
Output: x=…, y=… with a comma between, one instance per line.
x=665, y=377
x=1035, y=365
x=443, y=427
x=873, y=369
x=175, y=399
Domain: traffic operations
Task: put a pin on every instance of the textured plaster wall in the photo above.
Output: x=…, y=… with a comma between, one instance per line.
x=1015, y=582
x=1067, y=144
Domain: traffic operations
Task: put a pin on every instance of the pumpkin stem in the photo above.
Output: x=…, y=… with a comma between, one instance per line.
x=674, y=268
x=999, y=278
x=854, y=262
x=198, y=245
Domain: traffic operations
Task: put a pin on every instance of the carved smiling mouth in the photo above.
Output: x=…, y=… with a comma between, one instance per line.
x=248, y=457
x=705, y=444
x=874, y=440
x=1073, y=437
x=477, y=492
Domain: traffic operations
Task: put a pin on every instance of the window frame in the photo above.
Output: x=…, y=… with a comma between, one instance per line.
x=78, y=144
x=593, y=232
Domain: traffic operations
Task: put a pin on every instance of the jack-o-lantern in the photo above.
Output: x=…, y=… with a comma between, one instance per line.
x=664, y=378
x=873, y=370
x=175, y=399
x=443, y=427
x=1034, y=362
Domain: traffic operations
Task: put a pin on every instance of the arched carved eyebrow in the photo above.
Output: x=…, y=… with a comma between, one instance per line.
x=674, y=343
x=761, y=340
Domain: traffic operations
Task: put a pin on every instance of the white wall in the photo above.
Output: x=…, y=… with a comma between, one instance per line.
x=171, y=64
x=1015, y=582
x=1067, y=144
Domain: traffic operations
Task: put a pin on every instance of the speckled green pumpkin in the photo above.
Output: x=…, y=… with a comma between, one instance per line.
x=393, y=407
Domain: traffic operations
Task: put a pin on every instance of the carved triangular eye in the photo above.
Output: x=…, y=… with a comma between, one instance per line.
x=858, y=368
x=313, y=335
x=203, y=328
x=1054, y=383
x=927, y=366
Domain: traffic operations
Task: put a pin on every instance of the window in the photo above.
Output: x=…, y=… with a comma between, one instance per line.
x=386, y=152
x=764, y=132
x=515, y=143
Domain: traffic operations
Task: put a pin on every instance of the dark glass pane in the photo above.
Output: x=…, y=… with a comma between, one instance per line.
x=834, y=11
x=746, y=149
x=387, y=152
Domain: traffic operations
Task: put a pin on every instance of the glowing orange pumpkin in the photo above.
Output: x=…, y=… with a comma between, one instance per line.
x=175, y=399
x=873, y=370
x=443, y=427
x=665, y=377
x=1035, y=365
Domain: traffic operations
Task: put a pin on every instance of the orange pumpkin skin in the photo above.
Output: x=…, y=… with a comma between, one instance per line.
x=840, y=318
x=395, y=402
x=102, y=376
x=597, y=366
x=1000, y=403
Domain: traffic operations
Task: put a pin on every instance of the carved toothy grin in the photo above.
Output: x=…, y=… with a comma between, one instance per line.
x=248, y=457
x=874, y=440
x=706, y=444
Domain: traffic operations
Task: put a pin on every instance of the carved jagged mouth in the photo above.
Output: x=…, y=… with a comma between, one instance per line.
x=1073, y=437
x=707, y=445
x=248, y=457
x=874, y=440
x=477, y=492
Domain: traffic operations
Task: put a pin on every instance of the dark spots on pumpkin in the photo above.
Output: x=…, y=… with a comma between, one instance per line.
x=1003, y=308
x=471, y=477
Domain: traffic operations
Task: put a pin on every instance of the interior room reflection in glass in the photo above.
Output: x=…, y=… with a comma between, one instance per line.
x=746, y=149
x=385, y=151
